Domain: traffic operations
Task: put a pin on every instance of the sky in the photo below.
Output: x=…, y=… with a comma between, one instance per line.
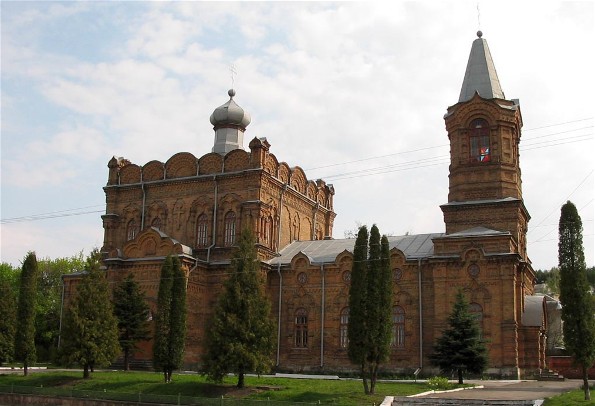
x=352, y=92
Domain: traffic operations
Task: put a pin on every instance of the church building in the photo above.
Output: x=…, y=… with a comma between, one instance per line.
x=195, y=207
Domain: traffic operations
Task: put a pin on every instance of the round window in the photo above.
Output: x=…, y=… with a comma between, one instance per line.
x=473, y=270
x=302, y=277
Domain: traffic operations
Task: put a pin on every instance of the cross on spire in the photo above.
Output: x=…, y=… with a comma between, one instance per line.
x=233, y=72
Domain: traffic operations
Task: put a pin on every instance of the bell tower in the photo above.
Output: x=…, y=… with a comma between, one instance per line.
x=484, y=130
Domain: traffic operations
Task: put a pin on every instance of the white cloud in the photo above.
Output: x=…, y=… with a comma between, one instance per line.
x=324, y=82
x=56, y=161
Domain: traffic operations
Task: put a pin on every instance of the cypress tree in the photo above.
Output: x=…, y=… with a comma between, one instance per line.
x=177, y=331
x=132, y=312
x=357, y=327
x=25, y=329
x=380, y=304
x=90, y=334
x=460, y=347
x=577, y=302
x=162, y=319
x=370, y=305
x=240, y=338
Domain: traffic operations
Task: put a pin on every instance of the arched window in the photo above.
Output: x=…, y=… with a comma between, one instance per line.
x=156, y=223
x=201, y=230
x=344, y=322
x=267, y=231
x=398, y=339
x=131, y=230
x=476, y=312
x=301, y=328
x=230, y=229
x=479, y=141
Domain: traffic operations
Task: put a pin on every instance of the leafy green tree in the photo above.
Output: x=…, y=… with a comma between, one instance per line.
x=170, y=320
x=11, y=275
x=49, y=302
x=460, y=347
x=370, y=305
x=7, y=322
x=90, y=335
x=132, y=312
x=591, y=276
x=9, y=279
x=24, y=345
x=577, y=302
x=240, y=338
x=551, y=279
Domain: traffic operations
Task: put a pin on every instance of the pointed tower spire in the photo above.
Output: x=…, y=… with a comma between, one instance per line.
x=480, y=76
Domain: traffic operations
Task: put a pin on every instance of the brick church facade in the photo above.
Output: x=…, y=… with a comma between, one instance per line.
x=194, y=207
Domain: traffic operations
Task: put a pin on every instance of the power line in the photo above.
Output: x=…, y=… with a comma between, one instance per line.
x=408, y=165
x=558, y=124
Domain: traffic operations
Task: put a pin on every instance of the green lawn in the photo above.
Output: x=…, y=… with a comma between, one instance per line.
x=574, y=398
x=343, y=392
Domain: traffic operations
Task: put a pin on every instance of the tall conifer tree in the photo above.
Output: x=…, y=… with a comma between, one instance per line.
x=25, y=330
x=358, y=322
x=170, y=320
x=132, y=312
x=577, y=302
x=177, y=332
x=379, y=304
x=370, y=305
x=241, y=337
x=90, y=336
x=460, y=346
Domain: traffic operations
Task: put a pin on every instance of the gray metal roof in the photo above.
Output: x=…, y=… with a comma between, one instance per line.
x=326, y=251
x=487, y=201
x=477, y=232
x=230, y=113
x=480, y=76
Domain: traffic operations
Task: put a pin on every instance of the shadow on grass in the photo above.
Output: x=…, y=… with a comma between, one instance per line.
x=54, y=380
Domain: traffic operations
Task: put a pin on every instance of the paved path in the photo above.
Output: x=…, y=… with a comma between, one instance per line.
x=512, y=390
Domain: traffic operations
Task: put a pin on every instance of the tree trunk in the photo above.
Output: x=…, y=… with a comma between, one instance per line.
x=25, y=368
x=86, y=374
x=241, y=382
x=365, y=380
x=164, y=375
x=460, y=372
x=169, y=373
x=373, y=376
x=586, y=382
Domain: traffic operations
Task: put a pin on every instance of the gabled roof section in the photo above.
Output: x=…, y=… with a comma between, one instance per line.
x=326, y=251
x=480, y=76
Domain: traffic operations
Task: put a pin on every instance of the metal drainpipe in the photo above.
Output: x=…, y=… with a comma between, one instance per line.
x=142, y=219
x=285, y=186
x=279, y=315
x=279, y=272
x=214, y=220
x=314, y=221
x=322, y=319
x=421, y=317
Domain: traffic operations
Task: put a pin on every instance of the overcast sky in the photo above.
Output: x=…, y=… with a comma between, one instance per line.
x=352, y=92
